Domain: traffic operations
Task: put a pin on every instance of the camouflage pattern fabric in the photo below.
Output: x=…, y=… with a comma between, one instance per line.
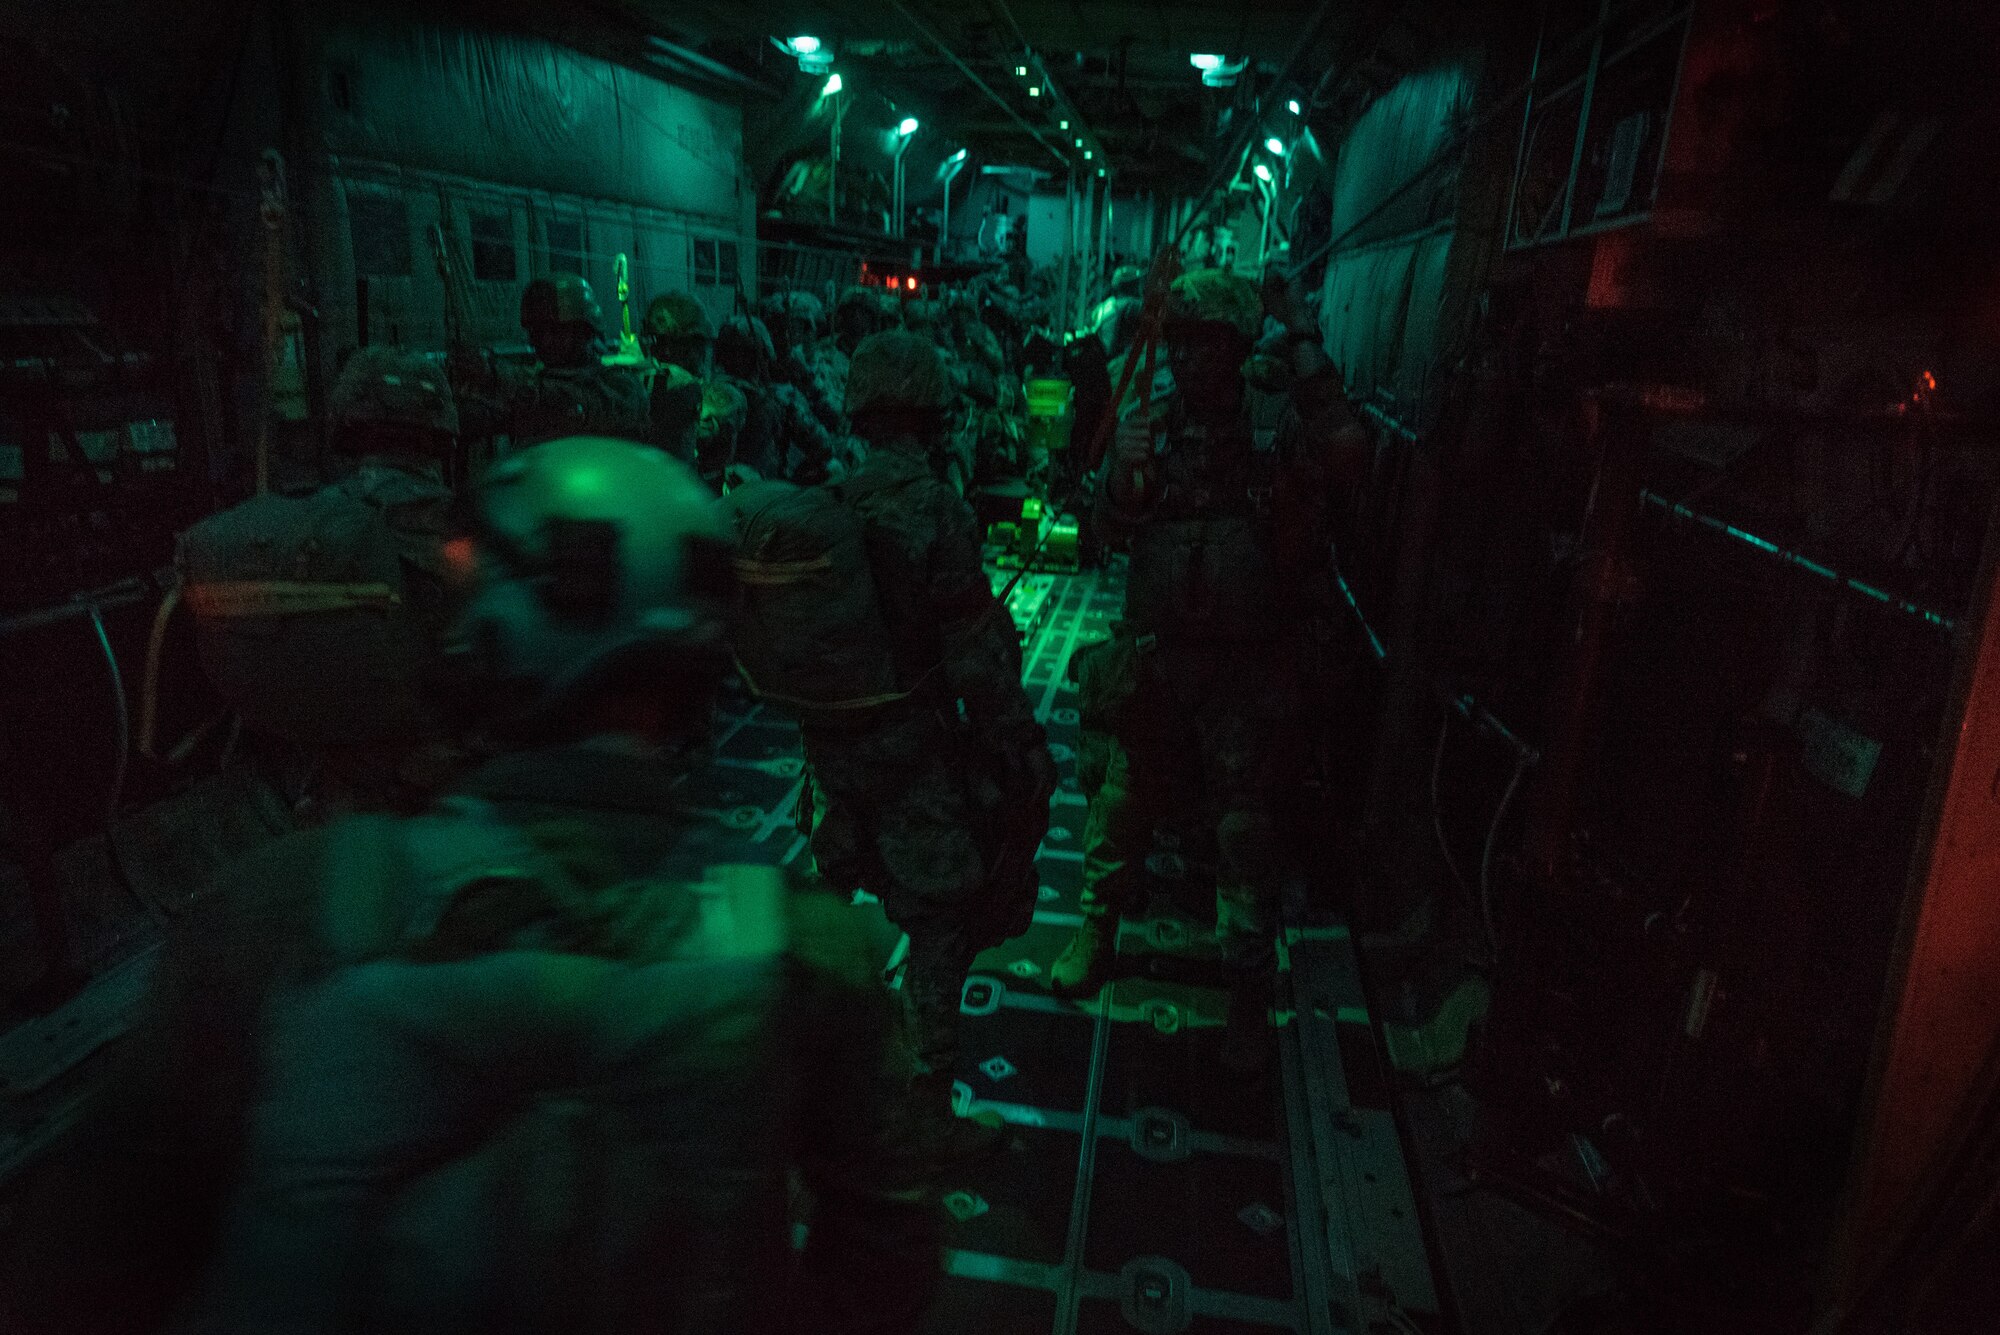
x=393, y=387
x=915, y=810
x=794, y=370
x=925, y=546
x=533, y=404
x=1221, y=712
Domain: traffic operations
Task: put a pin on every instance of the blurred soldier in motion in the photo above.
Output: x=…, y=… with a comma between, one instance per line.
x=781, y=437
x=542, y=1059
x=938, y=802
x=1225, y=522
x=318, y=615
x=569, y=389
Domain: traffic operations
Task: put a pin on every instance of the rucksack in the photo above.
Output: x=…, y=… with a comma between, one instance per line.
x=809, y=631
x=304, y=612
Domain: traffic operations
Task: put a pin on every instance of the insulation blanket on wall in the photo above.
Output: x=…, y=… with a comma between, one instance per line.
x=1406, y=129
x=497, y=107
x=1381, y=316
x=1384, y=289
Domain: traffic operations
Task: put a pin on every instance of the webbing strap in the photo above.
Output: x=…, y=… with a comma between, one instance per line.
x=810, y=706
x=277, y=597
x=772, y=573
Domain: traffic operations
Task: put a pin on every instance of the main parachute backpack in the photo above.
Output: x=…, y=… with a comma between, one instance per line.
x=809, y=632
x=303, y=619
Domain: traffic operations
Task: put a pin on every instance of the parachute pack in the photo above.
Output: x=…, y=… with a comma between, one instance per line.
x=304, y=612
x=810, y=636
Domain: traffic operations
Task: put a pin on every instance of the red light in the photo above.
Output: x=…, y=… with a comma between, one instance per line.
x=461, y=555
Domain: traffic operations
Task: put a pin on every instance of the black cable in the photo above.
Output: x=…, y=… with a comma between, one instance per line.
x=122, y=713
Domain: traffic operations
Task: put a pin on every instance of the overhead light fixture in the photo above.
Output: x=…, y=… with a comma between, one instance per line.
x=1222, y=74
x=1034, y=90
x=1079, y=143
x=1086, y=155
x=908, y=127
x=1205, y=62
x=1275, y=146
x=1062, y=125
x=813, y=55
x=832, y=85
x=957, y=157
x=1021, y=71
x=1262, y=172
x=1293, y=106
x=1100, y=171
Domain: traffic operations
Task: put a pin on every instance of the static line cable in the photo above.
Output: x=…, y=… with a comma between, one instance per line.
x=1486, y=858
x=977, y=82
x=1247, y=132
x=1437, y=809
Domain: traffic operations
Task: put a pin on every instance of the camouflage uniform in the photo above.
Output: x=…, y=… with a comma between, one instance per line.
x=781, y=436
x=920, y=804
x=795, y=319
x=1231, y=531
x=580, y=393
x=394, y=414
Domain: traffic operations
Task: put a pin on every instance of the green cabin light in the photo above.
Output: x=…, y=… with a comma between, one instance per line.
x=1205, y=62
x=1263, y=172
x=908, y=127
x=804, y=46
x=1034, y=90
x=1293, y=106
x=1062, y=125
x=1275, y=146
x=832, y=85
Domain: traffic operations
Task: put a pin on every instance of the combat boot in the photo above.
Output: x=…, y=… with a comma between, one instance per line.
x=1085, y=964
x=939, y=1136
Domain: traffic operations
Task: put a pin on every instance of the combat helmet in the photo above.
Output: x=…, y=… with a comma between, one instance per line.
x=390, y=389
x=897, y=371
x=678, y=315
x=743, y=347
x=1216, y=296
x=557, y=299
x=594, y=558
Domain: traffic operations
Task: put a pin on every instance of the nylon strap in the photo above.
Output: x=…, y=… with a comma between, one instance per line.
x=780, y=572
x=809, y=706
x=274, y=598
